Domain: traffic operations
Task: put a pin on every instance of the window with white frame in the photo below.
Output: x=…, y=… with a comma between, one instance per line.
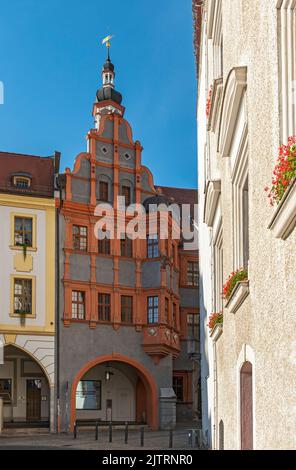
x=287, y=64
x=215, y=34
x=240, y=189
x=218, y=270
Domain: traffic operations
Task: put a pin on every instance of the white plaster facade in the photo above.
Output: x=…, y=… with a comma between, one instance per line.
x=254, y=116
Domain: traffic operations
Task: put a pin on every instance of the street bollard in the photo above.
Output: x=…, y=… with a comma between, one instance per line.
x=97, y=431
x=142, y=436
x=171, y=439
x=126, y=433
x=110, y=431
x=75, y=430
x=192, y=438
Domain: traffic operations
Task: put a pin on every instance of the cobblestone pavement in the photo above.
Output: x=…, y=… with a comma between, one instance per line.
x=86, y=440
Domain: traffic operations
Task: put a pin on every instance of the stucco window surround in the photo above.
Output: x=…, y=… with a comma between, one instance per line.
x=213, y=192
x=215, y=35
x=240, y=198
x=218, y=268
x=287, y=66
x=234, y=91
x=283, y=220
x=33, y=295
x=247, y=354
x=23, y=215
x=216, y=102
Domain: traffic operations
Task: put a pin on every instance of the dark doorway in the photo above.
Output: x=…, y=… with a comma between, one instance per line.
x=34, y=400
x=246, y=388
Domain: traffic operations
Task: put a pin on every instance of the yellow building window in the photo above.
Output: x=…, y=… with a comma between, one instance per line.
x=23, y=231
x=22, y=296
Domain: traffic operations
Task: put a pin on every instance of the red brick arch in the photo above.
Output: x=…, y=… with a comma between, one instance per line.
x=148, y=380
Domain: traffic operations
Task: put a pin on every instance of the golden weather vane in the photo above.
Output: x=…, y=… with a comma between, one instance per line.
x=106, y=41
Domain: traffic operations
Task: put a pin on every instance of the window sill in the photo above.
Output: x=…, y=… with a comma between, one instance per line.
x=238, y=296
x=283, y=221
x=26, y=316
x=20, y=248
x=216, y=332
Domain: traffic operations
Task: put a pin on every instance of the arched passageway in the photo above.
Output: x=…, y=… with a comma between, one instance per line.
x=114, y=388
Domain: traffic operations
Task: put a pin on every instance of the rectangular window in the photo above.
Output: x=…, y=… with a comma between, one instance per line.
x=23, y=296
x=178, y=386
x=78, y=305
x=218, y=270
x=152, y=247
x=104, y=307
x=88, y=395
x=193, y=333
x=6, y=391
x=192, y=274
x=166, y=311
x=126, y=192
x=23, y=231
x=174, y=315
x=287, y=64
x=104, y=246
x=79, y=238
x=126, y=247
x=104, y=191
x=152, y=309
x=126, y=309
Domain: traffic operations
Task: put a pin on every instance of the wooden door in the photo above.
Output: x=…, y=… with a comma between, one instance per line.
x=33, y=400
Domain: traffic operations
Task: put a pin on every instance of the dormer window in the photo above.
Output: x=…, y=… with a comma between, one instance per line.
x=21, y=182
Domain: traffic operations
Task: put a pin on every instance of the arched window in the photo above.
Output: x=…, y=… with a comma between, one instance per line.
x=221, y=435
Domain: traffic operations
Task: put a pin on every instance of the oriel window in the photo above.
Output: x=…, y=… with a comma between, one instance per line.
x=23, y=296
x=78, y=305
x=152, y=309
x=152, y=246
x=104, y=307
x=79, y=238
x=126, y=309
x=23, y=231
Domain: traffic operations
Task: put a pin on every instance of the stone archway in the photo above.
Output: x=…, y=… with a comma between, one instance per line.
x=145, y=376
x=26, y=390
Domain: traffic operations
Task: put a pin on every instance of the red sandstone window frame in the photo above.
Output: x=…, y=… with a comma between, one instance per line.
x=80, y=238
x=126, y=192
x=78, y=305
x=126, y=247
x=104, y=307
x=185, y=378
x=104, y=191
x=166, y=310
x=152, y=309
x=104, y=246
x=127, y=314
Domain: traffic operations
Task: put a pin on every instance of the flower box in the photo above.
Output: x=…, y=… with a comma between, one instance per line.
x=283, y=221
x=237, y=297
x=216, y=332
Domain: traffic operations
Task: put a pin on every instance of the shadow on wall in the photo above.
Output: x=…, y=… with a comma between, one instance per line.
x=206, y=414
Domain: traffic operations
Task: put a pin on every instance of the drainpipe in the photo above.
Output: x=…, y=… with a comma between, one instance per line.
x=57, y=320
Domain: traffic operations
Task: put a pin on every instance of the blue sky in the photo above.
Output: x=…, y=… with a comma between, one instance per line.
x=50, y=64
